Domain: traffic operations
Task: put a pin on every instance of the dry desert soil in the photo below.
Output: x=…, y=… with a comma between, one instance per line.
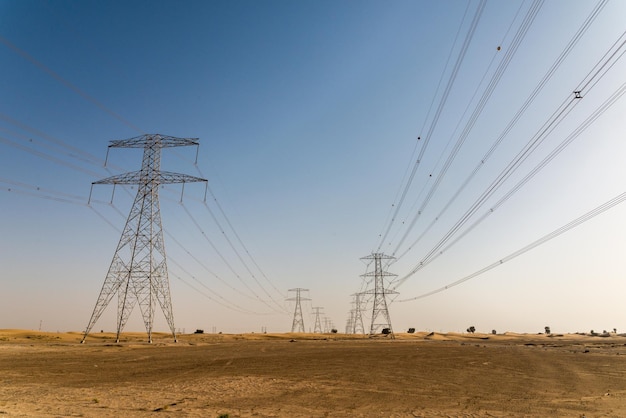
x=312, y=375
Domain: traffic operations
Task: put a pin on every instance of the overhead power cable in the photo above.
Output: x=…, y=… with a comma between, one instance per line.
x=584, y=218
x=493, y=83
x=239, y=240
x=254, y=295
x=47, y=156
x=417, y=140
x=440, y=107
x=34, y=141
x=555, y=152
x=567, y=106
x=218, y=299
x=75, y=151
x=66, y=83
x=258, y=298
x=72, y=198
x=551, y=71
x=566, y=142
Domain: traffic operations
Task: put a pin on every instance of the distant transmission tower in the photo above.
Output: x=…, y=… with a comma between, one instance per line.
x=138, y=272
x=350, y=322
x=298, y=320
x=357, y=322
x=317, y=328
x=380, y=310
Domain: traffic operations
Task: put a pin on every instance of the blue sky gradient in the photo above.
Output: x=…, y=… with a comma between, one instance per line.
x=308, y=115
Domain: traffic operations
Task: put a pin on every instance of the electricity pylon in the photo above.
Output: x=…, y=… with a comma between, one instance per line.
x=298, y=320
x=380, y=310
x=350, y=322
x=138, y=272
x=357, y=321
x=317, y=328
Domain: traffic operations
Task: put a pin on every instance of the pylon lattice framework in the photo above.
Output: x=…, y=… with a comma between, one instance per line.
x=380, y=309
x=349, y=322
x=138, y=271
x=357, y=320
x=317, y=328
x=298, y=320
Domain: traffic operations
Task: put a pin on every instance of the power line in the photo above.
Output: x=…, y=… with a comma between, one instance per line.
x=59, y=143
x=387, y=223
x=435, y=120
x=555, y=119
x=230, y=267
x=238, y=238
x=584, y=218
x=66, y=197
x=47, y=157
x=66, y=83
x=553, y=154
x=529, y=100
x=495, y=79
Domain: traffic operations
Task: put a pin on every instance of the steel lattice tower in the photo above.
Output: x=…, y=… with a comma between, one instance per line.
x=350, y=322
x=298, y=320
x=357, y=322
x=380, y=310
x=317, y=328
x=138, y=272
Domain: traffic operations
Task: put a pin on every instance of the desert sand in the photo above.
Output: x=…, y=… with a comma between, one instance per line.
x=312, y=375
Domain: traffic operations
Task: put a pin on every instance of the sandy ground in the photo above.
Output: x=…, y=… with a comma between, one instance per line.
x=298, y=375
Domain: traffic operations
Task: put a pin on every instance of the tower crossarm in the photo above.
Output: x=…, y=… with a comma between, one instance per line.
x=153, y=140
x=381, y=274
x=138, y=177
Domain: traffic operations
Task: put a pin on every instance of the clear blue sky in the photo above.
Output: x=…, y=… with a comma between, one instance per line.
x=308, y=115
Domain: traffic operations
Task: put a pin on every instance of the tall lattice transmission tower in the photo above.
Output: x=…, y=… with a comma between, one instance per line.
x=317, y=328
x=357, y=321
x=138, y=272
x=298, y=320
x=380, y=309
x=350, y=322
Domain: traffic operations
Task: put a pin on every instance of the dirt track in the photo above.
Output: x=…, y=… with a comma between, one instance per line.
x=245, y=376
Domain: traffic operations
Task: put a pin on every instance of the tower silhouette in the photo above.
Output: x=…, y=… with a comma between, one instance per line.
x=138, y=271
x=357, y=321
x=298, y=321
x=317, y=328
x=350, y=322
x=380, y=310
